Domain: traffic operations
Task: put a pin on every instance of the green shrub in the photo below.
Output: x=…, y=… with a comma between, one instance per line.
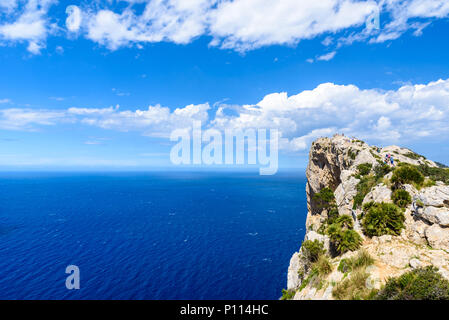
x=325, y=198
x=382, y=218
x=401, y=198
x=342, y=236
x=345, y=265
x=364, y=168
x=364, y=186
x=362, y=259
x=407, y=174
x=353, y=287
x=353, y=154
x=344, y=240
x=414, y=156
x=381, y=169
x=288, y=294
x=435, y=174
x=419, y=284
x=323, y=265
x=312, y=250
x=332, y=215
x=345, y=221
x=441, y=165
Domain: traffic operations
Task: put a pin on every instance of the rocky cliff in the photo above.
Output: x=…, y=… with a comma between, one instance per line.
x=361, y=187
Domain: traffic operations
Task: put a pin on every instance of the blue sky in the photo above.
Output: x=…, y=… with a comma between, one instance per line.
x=97, y=86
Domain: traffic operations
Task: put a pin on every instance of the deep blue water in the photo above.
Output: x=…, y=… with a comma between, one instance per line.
x=149, y=235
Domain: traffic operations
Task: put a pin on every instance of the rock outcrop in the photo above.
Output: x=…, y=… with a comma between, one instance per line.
x=424, y=240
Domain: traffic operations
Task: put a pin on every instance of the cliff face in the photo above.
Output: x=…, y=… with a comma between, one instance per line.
x=334, y=163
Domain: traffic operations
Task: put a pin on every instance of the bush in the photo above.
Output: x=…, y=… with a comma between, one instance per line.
x=354, y=287
x=382, y=218
x=414, y=156
x=362, y=259
x=441, y=165
x=325, y=198
x=287, y=294
x=345, y=265
x=381, y=169
x=364, y=168
x=364, y=186
x=344, y=240
x=332, y=215
x=407, y=174
x=435, y=174
x=312, y=250
x=353, y=154
x=342, y=237
x=401, y=198
x=345, y=221
x=323, y=265
x=419, y=284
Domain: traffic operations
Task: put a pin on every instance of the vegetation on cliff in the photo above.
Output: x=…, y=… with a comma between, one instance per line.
x=419, y=284
x=382, y=218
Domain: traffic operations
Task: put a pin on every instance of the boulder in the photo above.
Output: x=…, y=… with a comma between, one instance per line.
x=437, y=237
x=364, y=156
x=434, y=215
x=415, y=263
x=380, y=193
x=436, y=196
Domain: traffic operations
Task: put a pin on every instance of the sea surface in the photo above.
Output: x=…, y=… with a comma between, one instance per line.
x=175, y=235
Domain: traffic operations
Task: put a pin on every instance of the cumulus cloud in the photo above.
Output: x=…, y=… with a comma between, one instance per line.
x=28, y=22
x=409, y=113
x=8, y=5
x=240, y=25
x=250, y=24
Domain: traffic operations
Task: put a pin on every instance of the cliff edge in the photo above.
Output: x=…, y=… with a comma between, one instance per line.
x=373, y=214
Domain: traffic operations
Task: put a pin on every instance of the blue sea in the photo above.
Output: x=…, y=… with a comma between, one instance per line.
x=176, y=235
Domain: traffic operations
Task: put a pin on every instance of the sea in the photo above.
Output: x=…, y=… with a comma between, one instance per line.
x=149, y=235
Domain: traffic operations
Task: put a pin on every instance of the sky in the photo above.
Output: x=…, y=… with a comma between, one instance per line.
x=95, y=85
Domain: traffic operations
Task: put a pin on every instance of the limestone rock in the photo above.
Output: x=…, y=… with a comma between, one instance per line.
x=415, y=263
x=438, y=237
x=346, y=190
x=380, y=193
x=435, y=215
x=436, y=196
x=333, y=163
x=293, y=280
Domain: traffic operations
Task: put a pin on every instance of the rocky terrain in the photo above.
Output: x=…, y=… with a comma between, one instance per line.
x=347, y=177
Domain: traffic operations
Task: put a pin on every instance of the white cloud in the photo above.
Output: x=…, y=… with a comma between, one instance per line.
x=154, y=121
x=28, y=23
x=378, y=115
x=411, y=112
x=327, y=56
x=5, y=101
x=27, y=119
x=249, y=24
x=8, y=5
x=238, y=24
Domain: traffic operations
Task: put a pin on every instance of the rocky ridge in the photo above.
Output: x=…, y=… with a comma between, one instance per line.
x=334, y=163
